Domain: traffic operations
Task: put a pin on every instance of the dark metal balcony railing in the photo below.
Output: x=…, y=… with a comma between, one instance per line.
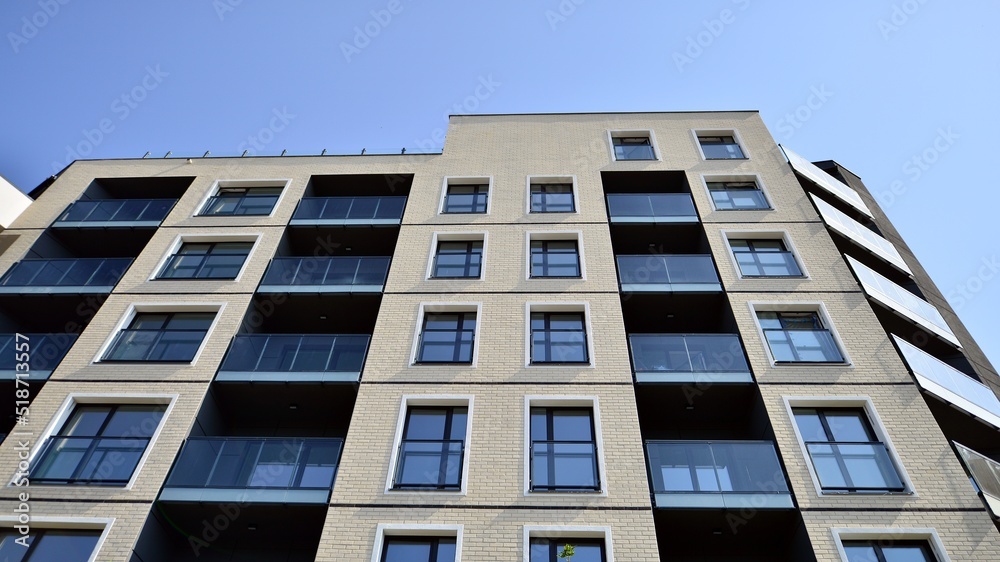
x=45, y=351
x=326, y=274
x=689, y=358
x=651, y=208
x=717, y=474
x=985, y=475
x=426, y=464
x=657, y=273
x=564, y=466
x=66, y=275
x=269, y=469
x=349, y=211
x=803, y=346
x=115, y=212
x=844, y=466
x=95, y=461
x=295, y=357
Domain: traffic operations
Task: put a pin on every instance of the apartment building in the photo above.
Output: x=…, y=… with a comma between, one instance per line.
x=586, y=337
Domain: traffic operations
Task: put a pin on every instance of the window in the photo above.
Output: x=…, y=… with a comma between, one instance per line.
x=737, y=195
x=555, y=258
x=552, y=198
x=207, y=260
x=49, y=545
x=563, y=450
x=462, y=198
x=458, y=259
x=447, y=337
x=633, y=148
x=845, y=451
x=584, y=550
x=254, y=201
x=798, y=337
x=764, y=258
x=161, y=337
x=888, y=551
x=720, y=147
x=98, y=445
x=558, y=337
x=432, y=448
x=418, y=549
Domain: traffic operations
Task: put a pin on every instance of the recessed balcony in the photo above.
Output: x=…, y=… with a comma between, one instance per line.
x=294, y=358
x=349, y=211
x=44, y=352
x=115, y=213
x=689, y=358
x=652, y=208
x=338, y=274
x=658, y=273
x=65, y=275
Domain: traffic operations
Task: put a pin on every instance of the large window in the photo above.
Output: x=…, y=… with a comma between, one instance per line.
x=552, y=198
x=447, y=337
x=48, y=545
x=764, y=258
x=242, y=201
x=458, y=259
x=161, y=337
x=558, y=550
x=720, y=147
x=633, y=148
x=418, y=549
x=845, y=452
x=737, y=195
x=558, y=337
x=555, y=258
x=466, y=198
x=563, y=450
x=799, y=337
x=888, y=551
x=98, y=445
x=207, y=260
x=432, y=448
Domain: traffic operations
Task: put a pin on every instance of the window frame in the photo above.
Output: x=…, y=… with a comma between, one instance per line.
x=696, y=133
x=551, y=180
x=425, y=308
x=50, y=523
x=384, y=530
x=217, y=185
x=782, y=235
x=430, y=400
x=569, y=402
x=181, y=239
x=559, y=307
x=565, y=533
x=742, y=178
x=456, y=236
x=612, y=134
x=466, y=180
x=555, y=235
x=134, y=309
x=928, y=535
x=798, y=306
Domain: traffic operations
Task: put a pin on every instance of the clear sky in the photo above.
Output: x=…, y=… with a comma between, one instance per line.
x=902, y=92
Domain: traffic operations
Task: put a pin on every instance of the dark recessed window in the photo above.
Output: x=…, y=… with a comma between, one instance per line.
x=633, y=148
x=207, y=260
x=563, y=450
x=242, y=201
x=722, y=147
x=432, y=448
x=799, y=337
x=552, y=198
x=161, y=337
x=737, y=196
x=466, y=198
x=845, y=452
x=48, y=545
x=551, y=550
x=418, y=549
x=555, y=258
x=98, y=445
x=764, y=258
x=447, y=338
x=888, y=551
x=558, y=337
x=458, y=259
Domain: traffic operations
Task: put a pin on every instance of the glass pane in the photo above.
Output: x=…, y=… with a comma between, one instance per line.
x=276, y=465
x=571, y=425
x=191, y=321
x=826, y=465
x=176, y=346
x=810, y=426
x=407, y=550
x=86, y=421
x=64, y=546
x=134, y=421
x=847, y=426
x=564, y=465
x=61, y=458
x=426, y=423
x=446, y=550
x=133, y=345
x=363, y=208
x=861, y=553
x=906, y=554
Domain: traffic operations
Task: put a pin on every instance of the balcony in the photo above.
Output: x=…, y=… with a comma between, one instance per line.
x=684, y=358
x=254, y=470
x=668, y=274
x=656, y=208
x=825, y=181
x=950, y=384
x=985, y=475
x=49, y=276
x=115, y=213
x=295, y=358
x=44, y=350
x=349, y=211
x=803, y=346
x=717, y=475
x=326, y=275
x=860, y=235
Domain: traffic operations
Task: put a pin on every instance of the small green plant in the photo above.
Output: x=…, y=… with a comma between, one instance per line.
x=567, y=552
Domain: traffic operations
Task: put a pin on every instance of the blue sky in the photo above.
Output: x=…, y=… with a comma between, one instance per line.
x=903, y=93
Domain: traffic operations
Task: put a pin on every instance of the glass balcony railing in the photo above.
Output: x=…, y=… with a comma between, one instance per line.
x=115, y=212
x=265, y=470
x=825, y=181
x=93, y=461
x=426, y=464
x=80, y=275
x=803, y=346
x=985, y=475
x=349, y=211
x=44, y=351
x=651, y=208
x=717, y=474
x=655, y=273
x=847, y=467
x=564, y=466
x=861, y=235
x=689, y=358
x=950, y=384
x=326, y=275
x=295, y=358
x=634, y=152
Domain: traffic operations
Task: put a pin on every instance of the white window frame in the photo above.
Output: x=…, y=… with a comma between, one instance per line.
x=841, y=534
x=623, y=133
x=466, y=180
x=558, y=306
x=568, y=532
x=407, y=530
x=49, y=523
x=283, y=183
x=695, y=133
x=86, y=398
x=799, y=306
x=856, y=402
x=785, y=238
x=418, y=400
x=154, y=307
x=564, y=401
x=564, y=235
x=444, y=307
x=453, y=236
x=551, y=179
x=181, y=239
x=706, y=178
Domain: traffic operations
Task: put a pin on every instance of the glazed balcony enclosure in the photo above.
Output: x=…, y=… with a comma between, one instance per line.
x=349, y=211
x=657, y=273
x=651, y=208
x=337, y=274
x=64, y=275
x=685, y=358
x=115, y=213
x=295, y=358
x=985, y=476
